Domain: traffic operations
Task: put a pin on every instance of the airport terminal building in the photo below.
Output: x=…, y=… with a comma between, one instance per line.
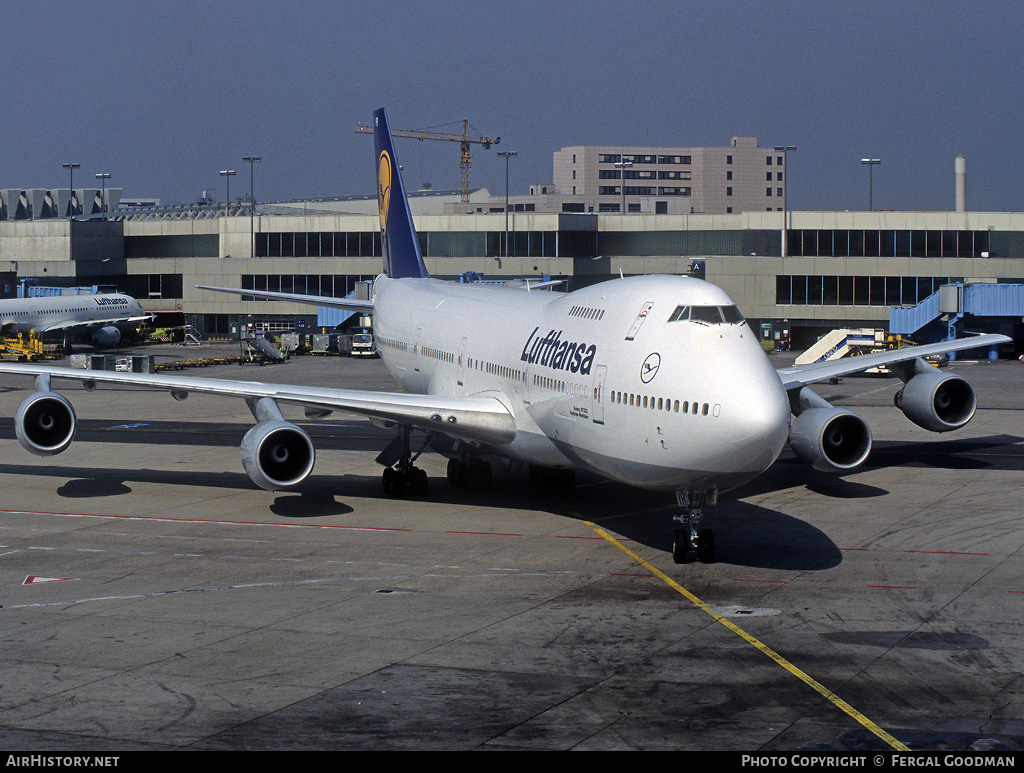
x=806, y=271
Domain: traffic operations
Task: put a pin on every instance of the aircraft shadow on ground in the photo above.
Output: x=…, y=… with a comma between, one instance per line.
x=995, y=452
x=746, y=534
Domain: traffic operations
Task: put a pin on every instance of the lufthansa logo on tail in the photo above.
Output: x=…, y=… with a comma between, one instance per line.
x=384, y=187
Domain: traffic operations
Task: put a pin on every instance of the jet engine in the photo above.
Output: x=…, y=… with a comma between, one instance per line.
x=105, y=337
x=830, y=439
x=939, y=402
x=45, y=423
x=277, y=454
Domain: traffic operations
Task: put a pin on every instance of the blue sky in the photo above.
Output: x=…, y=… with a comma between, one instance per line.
x=163, y=95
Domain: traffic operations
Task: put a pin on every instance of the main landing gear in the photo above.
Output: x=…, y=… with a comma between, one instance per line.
x=693, y=539
x=469, y=473
x=400, y=476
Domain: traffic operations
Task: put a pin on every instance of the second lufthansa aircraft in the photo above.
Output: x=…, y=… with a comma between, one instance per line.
x=652, y=381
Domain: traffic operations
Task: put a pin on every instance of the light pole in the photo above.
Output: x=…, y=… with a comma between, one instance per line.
x=71, y=184
x=251, y=160
x=103, y=177
x=227, y=174
x=784, y=150
x=871, y=163
x=623, y=165
x=506, y=155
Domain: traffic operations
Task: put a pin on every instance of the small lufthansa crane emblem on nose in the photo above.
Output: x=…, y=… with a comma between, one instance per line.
x=650, y=367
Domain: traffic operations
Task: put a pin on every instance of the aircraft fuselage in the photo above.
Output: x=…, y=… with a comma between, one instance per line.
x=52, y=313
x=598, y=379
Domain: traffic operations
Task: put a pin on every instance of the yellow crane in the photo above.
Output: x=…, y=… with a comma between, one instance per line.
x=464, y=139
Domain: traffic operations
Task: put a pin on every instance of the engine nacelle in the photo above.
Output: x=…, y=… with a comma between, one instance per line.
x=939, y=402
x=45, y=423
x=830, y=439
x=277, y=454
x=105, y=337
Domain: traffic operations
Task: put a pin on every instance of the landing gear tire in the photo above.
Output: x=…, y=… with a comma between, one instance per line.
x=401, y=477
x=473, y=474
x=706, y=546
x=681, y=546
x=397, y=484
x=392, y=482
x=418, y=485
x=691, y=539
x=479, y=473
x=456, y=473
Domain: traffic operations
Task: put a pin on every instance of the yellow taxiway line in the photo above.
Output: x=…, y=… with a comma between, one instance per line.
x=826, y=693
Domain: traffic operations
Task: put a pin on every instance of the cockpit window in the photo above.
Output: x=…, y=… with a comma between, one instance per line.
x=708, y=315
x=732, y=315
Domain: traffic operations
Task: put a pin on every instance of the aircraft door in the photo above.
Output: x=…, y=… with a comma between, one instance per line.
x=462, y=361
x=597, y=394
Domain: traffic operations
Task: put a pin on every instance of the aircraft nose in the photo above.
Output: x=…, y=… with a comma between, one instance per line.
x=762, y=426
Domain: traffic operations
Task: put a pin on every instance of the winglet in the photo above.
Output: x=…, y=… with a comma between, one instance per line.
x=401, y=246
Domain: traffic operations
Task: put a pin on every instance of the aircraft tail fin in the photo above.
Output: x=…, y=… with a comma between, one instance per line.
x=401, y=245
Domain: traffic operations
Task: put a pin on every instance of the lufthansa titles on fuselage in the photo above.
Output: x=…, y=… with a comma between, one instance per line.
x=552, y=352
x=111, y=301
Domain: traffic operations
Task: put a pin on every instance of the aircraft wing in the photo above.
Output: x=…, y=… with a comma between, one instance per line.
x=482, y=418
x=313, y=300
x=801, y=375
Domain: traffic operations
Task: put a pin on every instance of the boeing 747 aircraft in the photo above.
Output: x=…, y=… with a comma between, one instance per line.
x=100, y=320
x=652, y=381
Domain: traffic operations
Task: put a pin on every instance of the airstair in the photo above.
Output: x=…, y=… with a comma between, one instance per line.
x=839, y=343
x=264, y=348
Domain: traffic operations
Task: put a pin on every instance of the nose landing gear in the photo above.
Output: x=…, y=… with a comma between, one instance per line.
x=691, y=539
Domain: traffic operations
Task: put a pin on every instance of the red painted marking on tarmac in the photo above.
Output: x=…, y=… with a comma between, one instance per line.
x=33, y=579
x=894, y=587
x=945, y=553
x=203, y=520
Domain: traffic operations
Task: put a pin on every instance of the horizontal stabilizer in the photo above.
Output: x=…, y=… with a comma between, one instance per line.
x=312, y=300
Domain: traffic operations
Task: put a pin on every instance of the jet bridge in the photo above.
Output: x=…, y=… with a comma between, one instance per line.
x=942, y=315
